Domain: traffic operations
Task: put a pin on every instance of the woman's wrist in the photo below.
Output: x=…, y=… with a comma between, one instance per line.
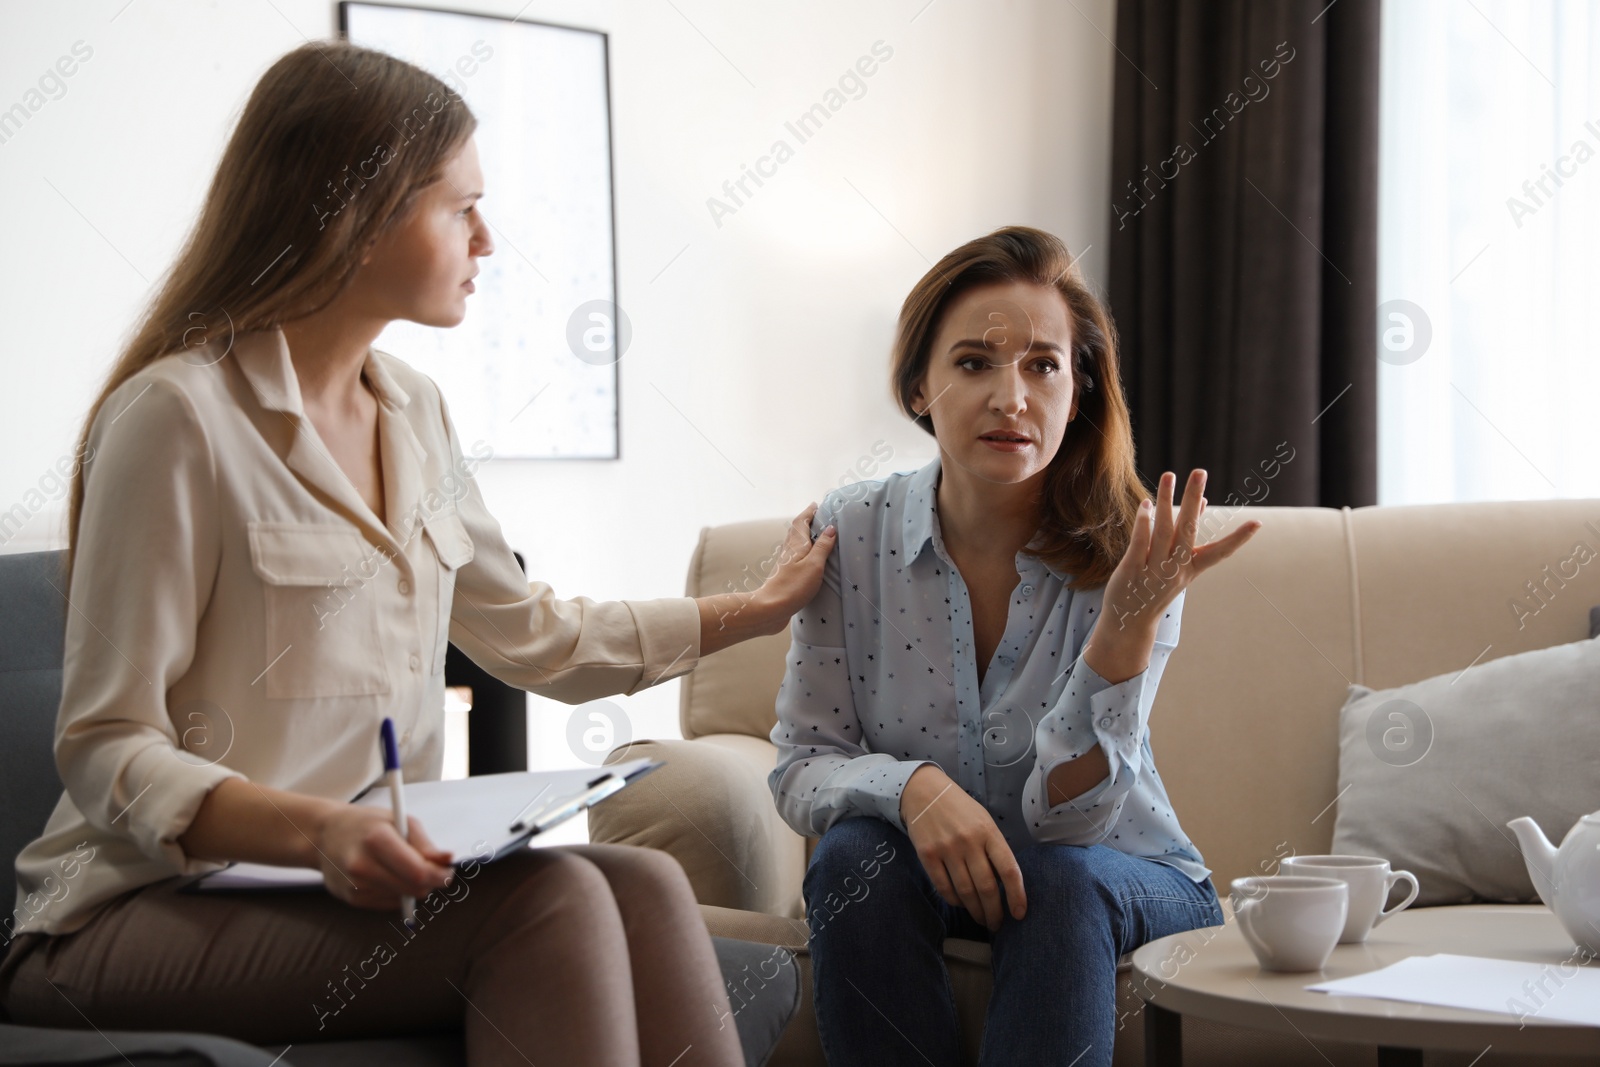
x=772, y=613
x=1120, y=654
x=241, y=820
x=728, y=618
x=318, y=812
x=922, y=786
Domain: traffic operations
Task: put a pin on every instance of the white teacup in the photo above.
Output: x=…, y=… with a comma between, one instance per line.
x=1291, y=922
x=1369, y=879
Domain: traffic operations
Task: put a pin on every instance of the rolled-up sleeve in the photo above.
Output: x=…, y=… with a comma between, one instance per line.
x=569, y=650
x=145, y=557
x=1093, y=711
x=824, y=773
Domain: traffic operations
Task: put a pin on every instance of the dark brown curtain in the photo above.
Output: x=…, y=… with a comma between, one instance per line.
x=1244, y=244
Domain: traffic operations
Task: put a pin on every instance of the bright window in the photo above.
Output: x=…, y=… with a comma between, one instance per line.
x=1489, y=226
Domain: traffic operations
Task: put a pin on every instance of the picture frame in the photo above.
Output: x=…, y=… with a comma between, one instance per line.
x=533, y=369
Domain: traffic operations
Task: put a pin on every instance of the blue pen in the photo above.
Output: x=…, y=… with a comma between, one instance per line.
x=397, y=798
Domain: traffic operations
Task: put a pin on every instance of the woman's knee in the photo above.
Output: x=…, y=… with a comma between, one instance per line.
x=1067, y=876
x=638, y=873
x=860, y=860
x=857, y=844
x=551, y=881
x=633, y=862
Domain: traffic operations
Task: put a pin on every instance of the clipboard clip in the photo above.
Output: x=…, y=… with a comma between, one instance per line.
x=556, y=811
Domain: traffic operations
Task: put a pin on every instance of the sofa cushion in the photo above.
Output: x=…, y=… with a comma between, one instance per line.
x=1430, y=773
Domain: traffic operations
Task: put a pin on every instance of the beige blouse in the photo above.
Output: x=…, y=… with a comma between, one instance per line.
x=237, y=610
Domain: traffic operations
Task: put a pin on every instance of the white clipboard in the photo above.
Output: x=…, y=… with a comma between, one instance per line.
x=476, y=819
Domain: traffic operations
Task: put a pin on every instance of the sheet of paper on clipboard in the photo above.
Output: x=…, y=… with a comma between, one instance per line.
x=476, y=819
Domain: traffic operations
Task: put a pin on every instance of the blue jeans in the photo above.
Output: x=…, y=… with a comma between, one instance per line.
x=880, y=987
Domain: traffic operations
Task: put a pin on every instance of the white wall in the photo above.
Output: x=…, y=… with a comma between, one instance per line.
x=770, y=332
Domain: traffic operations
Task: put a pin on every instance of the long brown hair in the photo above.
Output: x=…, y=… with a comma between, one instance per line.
x=331, y=151
x=1092, y=489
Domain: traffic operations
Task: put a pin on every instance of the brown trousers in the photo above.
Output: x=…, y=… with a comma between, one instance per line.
x=578, y=954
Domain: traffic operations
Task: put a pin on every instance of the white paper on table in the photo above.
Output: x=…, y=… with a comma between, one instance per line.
x=1561, y=991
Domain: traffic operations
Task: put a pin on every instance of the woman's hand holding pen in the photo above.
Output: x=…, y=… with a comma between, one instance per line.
x=365, y=861
x=362, y=857
x=960, y=847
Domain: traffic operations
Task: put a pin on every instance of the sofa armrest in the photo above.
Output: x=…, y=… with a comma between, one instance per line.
x=710, y=808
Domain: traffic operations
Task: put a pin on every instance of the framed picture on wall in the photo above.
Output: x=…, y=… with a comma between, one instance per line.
x=532, y=370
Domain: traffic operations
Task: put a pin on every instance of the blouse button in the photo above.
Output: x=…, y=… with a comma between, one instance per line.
x=416, y=662
x=1105, y=720
x=405, y=586
x=1027, y=589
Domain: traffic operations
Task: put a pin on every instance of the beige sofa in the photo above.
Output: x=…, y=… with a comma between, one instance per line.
x=1244, y=729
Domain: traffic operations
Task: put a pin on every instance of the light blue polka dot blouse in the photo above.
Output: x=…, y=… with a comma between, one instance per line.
x=882, y=677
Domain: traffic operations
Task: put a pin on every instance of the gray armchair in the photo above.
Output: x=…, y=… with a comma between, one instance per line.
x=32, y=620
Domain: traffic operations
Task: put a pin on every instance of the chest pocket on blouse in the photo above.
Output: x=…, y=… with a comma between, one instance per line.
x=454, y=547
x=321, y=602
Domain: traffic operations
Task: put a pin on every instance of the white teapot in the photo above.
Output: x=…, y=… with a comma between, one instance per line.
x=1568, y=878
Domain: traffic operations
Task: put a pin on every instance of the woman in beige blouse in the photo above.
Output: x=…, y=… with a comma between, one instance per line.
x=274, y=538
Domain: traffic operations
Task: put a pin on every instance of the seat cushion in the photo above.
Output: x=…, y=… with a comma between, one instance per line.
x=38, y=1047
x=763, y=983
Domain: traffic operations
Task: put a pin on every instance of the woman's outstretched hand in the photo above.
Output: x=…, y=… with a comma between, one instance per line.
x=963, y=851
x=1160, y=562
x=1162, y=558
x=797, y=574
x=792, y=574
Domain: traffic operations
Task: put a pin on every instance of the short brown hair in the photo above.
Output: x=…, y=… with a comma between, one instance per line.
x=1092, y=488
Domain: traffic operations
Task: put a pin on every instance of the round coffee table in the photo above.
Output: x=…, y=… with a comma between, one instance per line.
x=1210, y=973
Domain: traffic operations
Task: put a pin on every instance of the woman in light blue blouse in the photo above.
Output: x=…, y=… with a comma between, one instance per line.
x=964, y=717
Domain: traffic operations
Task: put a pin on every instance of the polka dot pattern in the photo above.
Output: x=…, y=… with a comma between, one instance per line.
x=882, y=677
